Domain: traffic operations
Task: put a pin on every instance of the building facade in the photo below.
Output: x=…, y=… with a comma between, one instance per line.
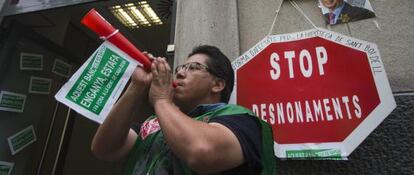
x=234, y=26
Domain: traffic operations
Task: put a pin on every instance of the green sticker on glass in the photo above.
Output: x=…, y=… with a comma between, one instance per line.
x=21, y=139
x=61, y=68
x=13, y=102
x=39, y=85
x=29, y=61
x=6, y=168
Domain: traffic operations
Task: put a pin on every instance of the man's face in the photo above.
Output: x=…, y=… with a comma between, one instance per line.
x=331, y=4
x=194, y=83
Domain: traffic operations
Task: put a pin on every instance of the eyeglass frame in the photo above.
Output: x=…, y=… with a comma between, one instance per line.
x=199, y=66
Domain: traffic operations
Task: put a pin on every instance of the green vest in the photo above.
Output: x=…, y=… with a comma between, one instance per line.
x=152, y=155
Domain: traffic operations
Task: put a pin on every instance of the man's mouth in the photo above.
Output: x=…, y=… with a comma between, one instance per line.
x=179, y=83
x=329, y=3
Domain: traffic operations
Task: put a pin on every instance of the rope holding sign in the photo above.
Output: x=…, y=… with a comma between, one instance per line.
x=349, y=29
x=275, y=18
x=377, y=25
x=294, y=4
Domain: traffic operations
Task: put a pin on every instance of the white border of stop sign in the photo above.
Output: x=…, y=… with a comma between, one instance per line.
x=386, y=106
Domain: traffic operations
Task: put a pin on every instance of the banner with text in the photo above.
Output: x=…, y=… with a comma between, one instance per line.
x=98, y=83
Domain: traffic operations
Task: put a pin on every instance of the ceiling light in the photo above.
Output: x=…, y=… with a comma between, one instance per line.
x=134, y=15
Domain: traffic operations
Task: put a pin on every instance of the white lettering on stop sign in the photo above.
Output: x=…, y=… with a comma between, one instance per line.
x=311, y=99
x=304, y=55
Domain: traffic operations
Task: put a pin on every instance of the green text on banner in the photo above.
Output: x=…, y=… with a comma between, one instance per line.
x=96, y=86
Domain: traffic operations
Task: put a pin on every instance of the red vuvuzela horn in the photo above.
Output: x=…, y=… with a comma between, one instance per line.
x=94, y=21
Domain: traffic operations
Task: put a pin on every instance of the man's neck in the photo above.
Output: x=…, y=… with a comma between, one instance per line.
x=187, y=108
x=203, y=108
x=189, y=105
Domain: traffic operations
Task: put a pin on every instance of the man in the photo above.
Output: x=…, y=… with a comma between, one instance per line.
x=193, y=130
x=342, y=12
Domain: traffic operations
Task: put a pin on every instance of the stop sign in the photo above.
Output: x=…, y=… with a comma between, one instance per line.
x=322, y=92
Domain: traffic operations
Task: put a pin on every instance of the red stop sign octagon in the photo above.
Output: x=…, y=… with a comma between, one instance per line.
x=318, y=89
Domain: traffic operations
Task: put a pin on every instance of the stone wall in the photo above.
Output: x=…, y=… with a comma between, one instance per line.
x=235, y=26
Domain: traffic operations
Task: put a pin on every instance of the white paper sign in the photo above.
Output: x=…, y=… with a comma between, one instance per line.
x=98, y=83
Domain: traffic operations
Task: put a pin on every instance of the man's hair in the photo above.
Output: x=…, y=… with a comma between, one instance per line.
x=220, y=66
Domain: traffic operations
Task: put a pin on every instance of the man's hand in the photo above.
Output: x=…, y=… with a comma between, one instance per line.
x=114, y=139
x=140, y=76
x=161, y=88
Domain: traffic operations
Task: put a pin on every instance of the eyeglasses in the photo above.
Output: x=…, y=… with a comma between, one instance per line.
x=191, y=66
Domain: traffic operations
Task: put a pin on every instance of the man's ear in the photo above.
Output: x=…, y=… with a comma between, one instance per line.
x=218, y=85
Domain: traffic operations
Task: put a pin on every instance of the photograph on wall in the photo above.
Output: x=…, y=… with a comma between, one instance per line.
x=6, y=168
x=345, y=11
x=30, y=61
x=61, y=68
x=22, y=139
x=39, y=85
x=13, y=102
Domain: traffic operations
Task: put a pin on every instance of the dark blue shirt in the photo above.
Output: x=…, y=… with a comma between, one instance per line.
x=247, y=131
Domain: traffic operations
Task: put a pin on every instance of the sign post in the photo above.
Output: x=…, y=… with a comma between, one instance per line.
x=322, y=92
